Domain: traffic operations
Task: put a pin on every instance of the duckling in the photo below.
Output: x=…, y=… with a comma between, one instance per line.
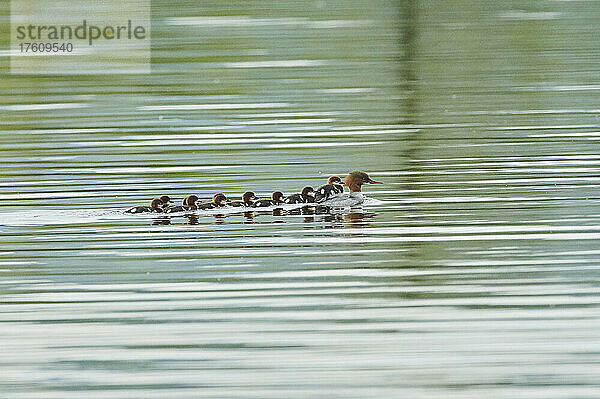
x=155, y=206
x=191, y=202
x=218, y=201
x=247, y=198
x=186, y=205
x=305, y=196
x=276, y=199
x=166, y=200
x=332, y=189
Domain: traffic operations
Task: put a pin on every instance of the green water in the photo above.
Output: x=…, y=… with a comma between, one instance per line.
x=472, y=273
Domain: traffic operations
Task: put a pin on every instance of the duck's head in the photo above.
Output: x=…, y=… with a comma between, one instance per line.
x=166, y=200
x=308, y=191
x=277, y=196
x=248, y=196
x=156, y=203
x=190, y=200
x=356, y=179
x=334, y=180
x=219, y=199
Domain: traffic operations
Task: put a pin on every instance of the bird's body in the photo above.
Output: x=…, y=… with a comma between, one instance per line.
x=332, y=189
x=247, y=200
x=166, y=200
x=186, y=205
x=155, y=206
x=218, y=201
x=276, y=199
x=304, y=197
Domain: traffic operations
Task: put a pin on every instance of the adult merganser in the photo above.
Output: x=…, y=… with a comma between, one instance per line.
x=305, y=196
x=276, y=199
x=155, y=206
x=334, y=188
x=186, y=205
x=218, y=201
x=354, y=181
x=247, y=198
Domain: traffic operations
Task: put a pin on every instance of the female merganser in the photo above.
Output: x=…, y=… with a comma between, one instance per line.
x=186, y=205
x=334, y=188
x=305, y=196
x=218, y=201
x=354, y=181
x=276, y=199
x=247, y=198
x=155, y=206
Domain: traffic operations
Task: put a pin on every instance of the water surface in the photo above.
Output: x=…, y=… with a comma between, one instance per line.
x=474, y=274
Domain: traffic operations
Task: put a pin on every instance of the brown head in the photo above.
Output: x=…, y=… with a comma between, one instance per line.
x=308, y=191
x=156, y=203
x=219, y=199
x=334, y=180
x=165, y=199
x=190, y=200
x=277, y=196
x=248, y=196
x=356, y=179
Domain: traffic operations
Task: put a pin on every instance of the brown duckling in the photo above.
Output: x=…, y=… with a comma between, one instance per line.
x=305, y=196
x=276, y=199
x=247, y=200
x=334, y=188
x=186, y=205
x=166, y=200
x=218, y=201
x=155, y=206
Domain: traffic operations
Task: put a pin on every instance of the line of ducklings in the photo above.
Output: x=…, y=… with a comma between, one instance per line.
x=333, y=189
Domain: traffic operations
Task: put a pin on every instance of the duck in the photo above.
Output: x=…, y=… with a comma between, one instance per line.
x=356, y=179
x=186, y=205
x=155, y=206
x=191, y=202
x=166, y=200
x=218, y=201
x=276, y=199
x=305, y=196
x=334, y=188
x=246, y=201
x=354, y=182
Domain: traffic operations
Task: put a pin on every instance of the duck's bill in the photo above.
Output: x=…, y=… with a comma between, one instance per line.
x=375, y=182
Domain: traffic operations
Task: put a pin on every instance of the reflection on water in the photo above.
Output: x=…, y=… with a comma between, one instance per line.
x=354, y=217
x=473, y=274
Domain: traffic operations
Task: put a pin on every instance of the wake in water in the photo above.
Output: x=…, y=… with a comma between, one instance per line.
x=42, y=217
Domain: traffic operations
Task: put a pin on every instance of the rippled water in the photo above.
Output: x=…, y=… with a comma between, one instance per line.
x=473, y=273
